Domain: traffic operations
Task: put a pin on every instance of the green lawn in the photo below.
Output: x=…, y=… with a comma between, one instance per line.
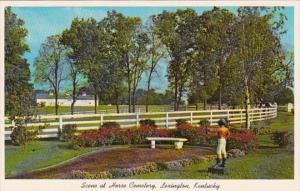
x=268, y=162
x=38, y=154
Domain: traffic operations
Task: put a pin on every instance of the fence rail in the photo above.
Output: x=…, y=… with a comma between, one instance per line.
x=53, y=123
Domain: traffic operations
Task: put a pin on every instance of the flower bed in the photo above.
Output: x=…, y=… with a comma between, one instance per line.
x=243, y=140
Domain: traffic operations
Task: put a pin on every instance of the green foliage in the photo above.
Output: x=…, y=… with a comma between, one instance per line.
x=21, y=134
x=67, y=132
x=177, y=31
x=149, y=122
x=281, y=138
x=51, y=65
x=18, y=90
x=285, y=96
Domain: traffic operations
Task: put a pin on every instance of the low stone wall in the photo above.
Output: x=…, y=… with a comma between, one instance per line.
x=148, y=167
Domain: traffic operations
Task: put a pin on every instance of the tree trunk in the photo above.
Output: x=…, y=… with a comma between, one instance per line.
x=247, y=100
x=72, y=107
x=118, y=108
x=204, y=103
x=175, y=99
x=95, y=106
x=148, y=92
x=175, y=94
x=73, y=96
x=129, y=99
x=56, y=102
x=220, y=98
x=128, y=82
x=179, y=97
x=133, y=100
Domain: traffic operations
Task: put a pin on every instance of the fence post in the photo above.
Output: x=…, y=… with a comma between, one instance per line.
x=259, y=114
x=60, y=123
x=228, y=116
x=191, y=116
x=241, y=117
x=167, y=119
x=13, y=123
x=210, y=118
x=137, y=119
x=101, y=119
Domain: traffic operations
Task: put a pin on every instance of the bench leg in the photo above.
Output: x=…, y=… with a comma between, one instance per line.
x=152, y=144
x=178, y=145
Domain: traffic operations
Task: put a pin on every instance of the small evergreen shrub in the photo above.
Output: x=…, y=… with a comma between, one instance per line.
x=281, y=138
x=149, y=122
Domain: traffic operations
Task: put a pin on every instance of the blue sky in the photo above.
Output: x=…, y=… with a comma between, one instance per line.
x=42, y=22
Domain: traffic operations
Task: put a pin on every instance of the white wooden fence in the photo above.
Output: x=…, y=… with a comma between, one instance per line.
x=52, y=123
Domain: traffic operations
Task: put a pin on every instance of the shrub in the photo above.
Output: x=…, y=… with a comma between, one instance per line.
x=159, y=132
x=88, y=138
x=281, y=138
x=195, y=135
x=123, y=136
x=140, y=134
x=261, y=127
x=111, y=125
x=149, y=122
x=185, y=131
x=20, y=134
x=242, y=141
x=180, y=122
x=204, y=124
x=107, y=135
x=67, y=132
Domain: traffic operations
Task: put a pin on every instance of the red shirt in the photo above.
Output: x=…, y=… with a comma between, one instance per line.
x=223, y=132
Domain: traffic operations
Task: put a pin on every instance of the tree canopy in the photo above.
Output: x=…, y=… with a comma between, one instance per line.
x=18, y=89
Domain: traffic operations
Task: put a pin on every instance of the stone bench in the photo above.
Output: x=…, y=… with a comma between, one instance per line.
x=178, y=142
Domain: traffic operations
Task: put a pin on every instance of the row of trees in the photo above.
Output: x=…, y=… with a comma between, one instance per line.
x=236, y=59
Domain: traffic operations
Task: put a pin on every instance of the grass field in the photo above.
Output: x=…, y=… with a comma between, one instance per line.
x=100, y=108
x=268, y=162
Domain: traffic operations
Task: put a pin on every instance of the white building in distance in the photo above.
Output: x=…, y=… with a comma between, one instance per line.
x=47, y=99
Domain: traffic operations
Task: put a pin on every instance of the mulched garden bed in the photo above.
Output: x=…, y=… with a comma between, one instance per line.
x=119, y=158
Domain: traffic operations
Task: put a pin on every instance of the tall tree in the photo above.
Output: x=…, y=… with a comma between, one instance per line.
x=18, y=89
x=156, y=52
x=260, y=51
x=51, y=64
x=130, y=41
x=140, y=58
x=177, y=31
x=217, y=28
x=88, y=52
x=77, y=82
